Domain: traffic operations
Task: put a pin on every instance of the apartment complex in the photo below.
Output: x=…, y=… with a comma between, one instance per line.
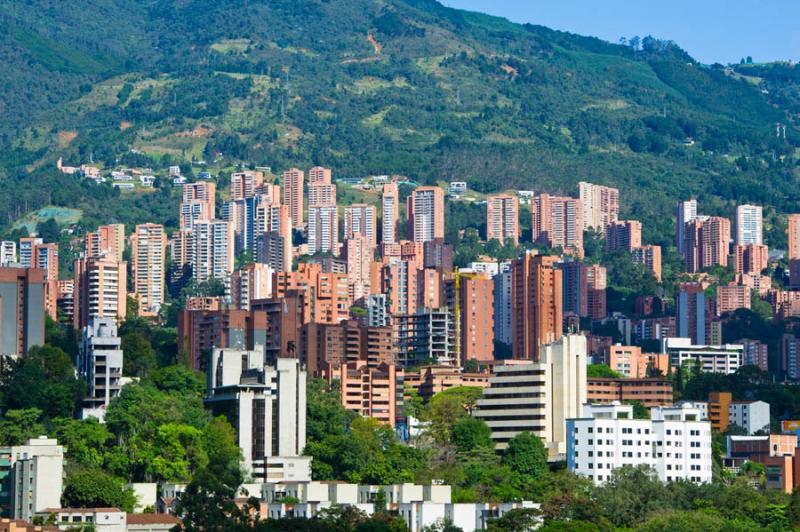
x=360, y=220
x=725, y=358
x=100, y=290
x=536, y=303
x=31, y=478
x=502, y=218
x=624, y=235
x=600, y=205
x=425, y=213
x=556, y=223
x=293, y=195
x=390, y=213
x=148, y=246
x=650, y=258
x=649, y=392
x=749, y=225
x=707, y=241
x=100, y=362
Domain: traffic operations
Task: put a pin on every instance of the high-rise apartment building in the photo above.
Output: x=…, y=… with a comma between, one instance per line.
x=390, y=213
x=475, y=320
x=372, y=391
x=425, y=210
x=556, y=222
x=31, y=478
x=624, y=235
x=274, y=246
x=323, y=229
x=750, y=259
x=707, y=242
x=427, y=335
x=359, y=219
x=596, y=285
x=359, y=256
x=574, y=288
x=252, y=282
x=749, y=225
x=8, y=252
x=245, y=184
x=22, y=310
x=213, y=251
x=107, y=241
x=205, y=192
x=193, y=211
x=537, y=397
x=321, y=194
x=686, y=212
x=536, y=304
x=502, y=218
x=650, y=258
x=503, y=324
x=690, y=312
x=293, y=195
x=318, y=174
x=148, y=245
x=100, y=290
x=600, y=205
x=732, y=297
x=100, y=363
x=793, y=231
x=266, y=404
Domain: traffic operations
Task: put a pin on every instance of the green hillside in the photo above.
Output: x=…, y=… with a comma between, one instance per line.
x=374, y=87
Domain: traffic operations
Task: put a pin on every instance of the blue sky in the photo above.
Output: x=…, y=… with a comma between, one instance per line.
x=710, y=30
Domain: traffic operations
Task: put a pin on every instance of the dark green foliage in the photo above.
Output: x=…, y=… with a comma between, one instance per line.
x=91, y=487
x=526, y=455
x=601, y=371
x=470, y=433
x=45, y=379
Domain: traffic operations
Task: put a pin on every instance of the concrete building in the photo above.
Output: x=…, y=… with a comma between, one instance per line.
x=431, y=380
x=429, y=335
x=373, y=391
x=474, y=319
x=200, y=331
x=267, y=407
x=390, y=213
x=596, y=291
x=100, y=361
x=750, y=259
x=319, y=174
x=22, y=310
x=556, y=222
x=793, y=231
x=502, y=218
x=600, y=205
x=293, y=196
x=536, y=304
x=100, y=290
x=327, y=298
x=777, y=452
x=244, y=184
x=213, y=256
x=755, y=353
x=359, y=255
x=8, y=253
x=629, y=361
x=725, y=358
x=253, y=281
x=31, y=477
x=537, y=397
x=690, y=312
x=425, y=213
x=732, y=297
x=274, y=245
x=674, y=442
x=707, y=242
x=686, y=212
x=204, y=191
x=323, y=229
x=749, y=225
x=107, y=242
x=149, y=244
x=649, y=257
x=321, y=194
x=192, y=212
x=503, y=323
x=649, y=392
x=624, y=235
x=377, y=310
x=359, y=219
x=95, y=519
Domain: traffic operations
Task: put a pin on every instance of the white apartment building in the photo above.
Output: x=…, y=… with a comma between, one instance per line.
x=149, y=244
x=100, y=362
x=674, y=442
x=97, y=519
x=537, y=397
x=212, y=257
x=359, y=219
x=323, y=229
x=267, y=407
x=725, y=358
x=8, y=252
x=752, y=416
x=749, y=225
x=35, y=476
x=390, y=211
x=600, y=205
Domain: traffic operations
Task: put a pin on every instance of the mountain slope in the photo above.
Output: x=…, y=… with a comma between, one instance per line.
x=372, y=86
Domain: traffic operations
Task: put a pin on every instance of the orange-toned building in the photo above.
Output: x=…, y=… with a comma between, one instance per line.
x=475, y=317
x=431, y=380
x=624, y=235
x=650, y=258
x=719, y=404
x=100, y=290
x=794, y=236
x=360, y=220
x=596, y=285
x=327, y=295
x=293, y=195
x=148, y=260
x=245, y=184
x=375, y=392
x=502, y=218
x=107, y=241
x=778, y=453
x=390, y=213
x=707, y=242
x=319, y=174
x=358, y=254
x=629, y=361
x=557, y=222
x=22, y=310
x=751, y=259
x=536, y=304
x=732, y=297
x=650, y=392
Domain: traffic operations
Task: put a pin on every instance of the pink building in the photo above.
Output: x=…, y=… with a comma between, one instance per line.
x=502, y=218
x=245, y=184
x=293, y=179
x=624, y=234
x=372, y=391
x=390, y=213
x=425, y=212
x=318, y=174
x=557, y=222
x=359, y=256
x=751, y=259
x=732, y=297
x=359, y=219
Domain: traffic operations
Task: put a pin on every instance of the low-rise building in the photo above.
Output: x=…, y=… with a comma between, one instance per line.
x=31, y=477
x=97, y=519
x=725, y=358
x=435, y=379
x=778, y=453
x=628, y=360
x=674, y=442
x=649, y=392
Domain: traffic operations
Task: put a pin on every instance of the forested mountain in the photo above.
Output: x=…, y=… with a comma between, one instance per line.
x=384, y=86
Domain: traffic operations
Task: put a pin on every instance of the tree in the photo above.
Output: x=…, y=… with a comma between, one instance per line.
x=18, y=426
x=85, y=440
x=45, y=379
x=48, y=230
x=139, y=357
x=470, y=432
x=594, y=371
x=325, y=414
x=471, y=366
x=91, y=487
x=517, y=520
x=526, y=455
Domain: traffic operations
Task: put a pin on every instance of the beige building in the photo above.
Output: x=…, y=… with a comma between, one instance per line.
x=212, y=250
x=390, y=213
x=502, y=218
x=107, y=241
x=537, y=397
x=148, y=244
x=293, y=195
x=100, y=290
x=600, y=205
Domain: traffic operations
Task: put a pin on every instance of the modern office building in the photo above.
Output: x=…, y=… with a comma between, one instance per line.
x=293, y=195
x=674, y=442
x=537, y=397
x=425, y=212
x=100, y=361
x=31, y=478
x=390, y=213
x=502, y=218
x=726, y=358
x=624, y=235
x=100, y=290
x=266, y=404
x=749, y=225
x=600, y=205
x=536, y=297
x=359, y=219
x=557, y=223
x=148, y=246
x=22, y=310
